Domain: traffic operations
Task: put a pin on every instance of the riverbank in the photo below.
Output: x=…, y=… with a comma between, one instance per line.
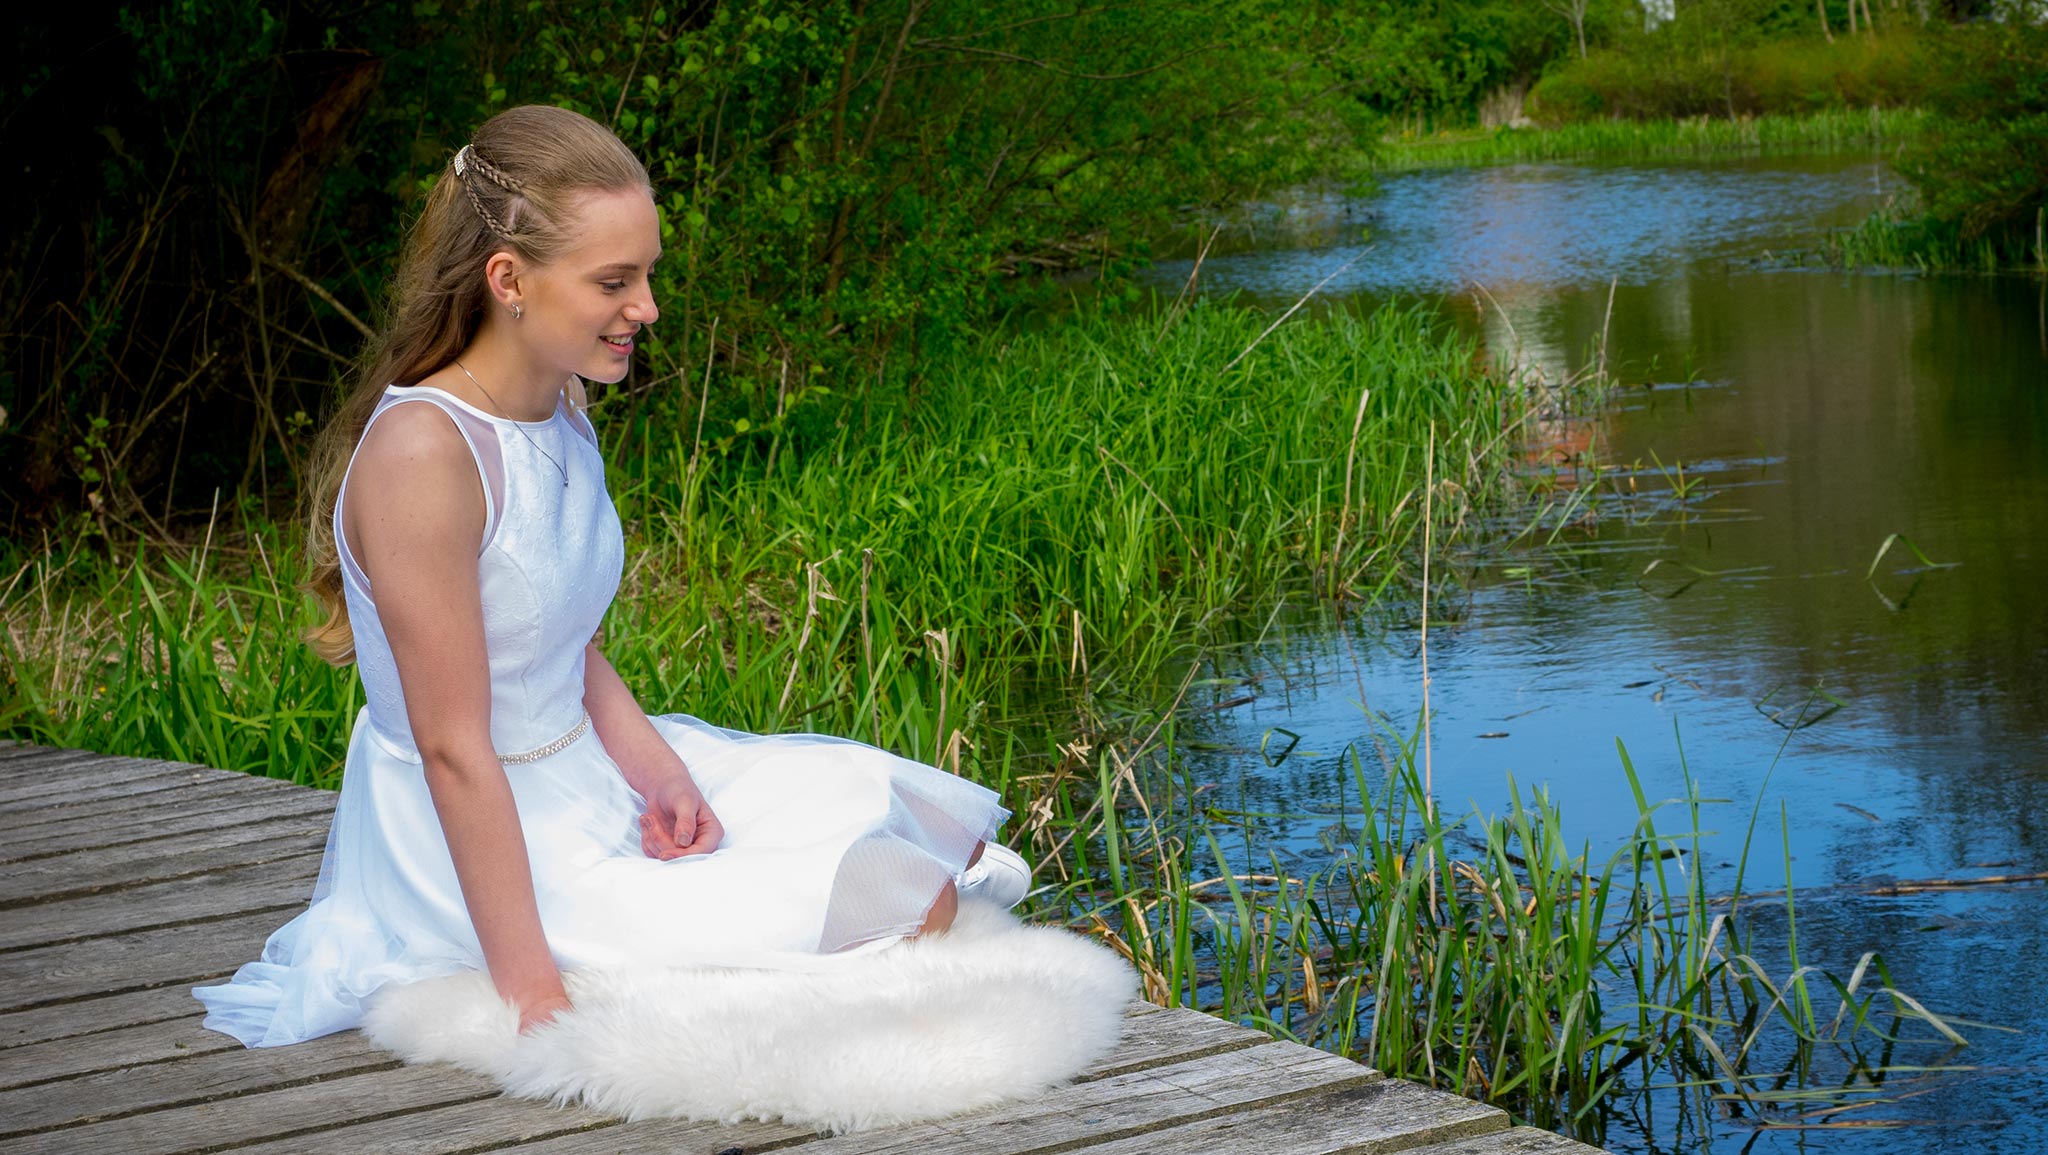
x=1874, y=130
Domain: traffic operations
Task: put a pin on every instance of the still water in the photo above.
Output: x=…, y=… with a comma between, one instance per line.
x=1695, y=583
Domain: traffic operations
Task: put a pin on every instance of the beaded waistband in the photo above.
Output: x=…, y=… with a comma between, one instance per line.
x=540, y=752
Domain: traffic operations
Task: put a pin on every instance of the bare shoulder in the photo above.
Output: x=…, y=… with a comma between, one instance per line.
x=416, y=478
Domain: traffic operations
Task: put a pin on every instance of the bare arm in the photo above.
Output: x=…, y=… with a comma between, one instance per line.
x=415, y=517
x=677, y=821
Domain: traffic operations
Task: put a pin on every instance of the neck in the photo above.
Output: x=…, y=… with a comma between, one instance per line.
x=507, y=382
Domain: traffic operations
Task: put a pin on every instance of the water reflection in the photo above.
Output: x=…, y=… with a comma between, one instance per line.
x=1813, y=415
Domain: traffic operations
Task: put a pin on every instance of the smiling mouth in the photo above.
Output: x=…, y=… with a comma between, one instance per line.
x=619, y=344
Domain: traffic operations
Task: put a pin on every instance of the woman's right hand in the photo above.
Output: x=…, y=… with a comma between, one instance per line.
x=678, y=822
x=540, y=1010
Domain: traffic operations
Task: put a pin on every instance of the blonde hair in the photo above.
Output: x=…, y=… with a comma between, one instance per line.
x=514, y=188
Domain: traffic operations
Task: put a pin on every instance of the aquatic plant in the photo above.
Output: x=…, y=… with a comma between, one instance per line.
x=1485, y=954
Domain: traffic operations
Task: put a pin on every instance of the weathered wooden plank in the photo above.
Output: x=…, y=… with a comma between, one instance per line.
x=150, y=958
x=1515, y=1141
x=1154, y=1037
x=157, y=1086
x=198, y=796
x=1375, y=1119
x=39, y=760
x=86, y=1017
x=26, y=751
x=70, y=782
x=305, y=1109
x=111, y=868
x=134, y=1046
x=481, y=1125
x=63, y=798
x=123, y=826
x=245, y=889
x=36, y=776
x=1118, y=1106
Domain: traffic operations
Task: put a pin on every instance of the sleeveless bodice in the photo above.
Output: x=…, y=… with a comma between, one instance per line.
x=550, y=564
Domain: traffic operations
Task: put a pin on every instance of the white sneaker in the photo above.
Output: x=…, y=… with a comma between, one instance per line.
x=1000, y=875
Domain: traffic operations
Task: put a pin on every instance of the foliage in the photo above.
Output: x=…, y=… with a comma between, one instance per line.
x=1809, y=135
x=1985, y=172
x=1979, y=169
x=1734, y=76
x=848, y=185
x=1424, y=64
x=1085, y=504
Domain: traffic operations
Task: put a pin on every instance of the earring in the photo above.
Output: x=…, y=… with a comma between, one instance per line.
x=516, y=311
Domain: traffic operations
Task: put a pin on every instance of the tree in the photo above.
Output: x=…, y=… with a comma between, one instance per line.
x=1574, y=12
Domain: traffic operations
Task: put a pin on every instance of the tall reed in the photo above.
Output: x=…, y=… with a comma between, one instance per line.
x=1818, y=133
x=1486, y=954
x=1076, y=509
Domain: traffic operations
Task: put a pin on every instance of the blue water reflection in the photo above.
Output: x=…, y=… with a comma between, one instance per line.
x=1814, y=414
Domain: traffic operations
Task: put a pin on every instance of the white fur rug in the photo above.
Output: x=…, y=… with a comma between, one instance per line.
x=990, y=1011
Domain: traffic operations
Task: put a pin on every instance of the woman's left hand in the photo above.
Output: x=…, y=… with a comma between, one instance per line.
x=677, y=821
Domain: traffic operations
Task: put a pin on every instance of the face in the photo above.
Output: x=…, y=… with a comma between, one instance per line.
x=582, y=311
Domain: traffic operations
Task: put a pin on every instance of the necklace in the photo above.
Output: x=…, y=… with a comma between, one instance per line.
x=515, y=424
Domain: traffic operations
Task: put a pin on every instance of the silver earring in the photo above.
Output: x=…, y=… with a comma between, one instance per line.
x=516, y=313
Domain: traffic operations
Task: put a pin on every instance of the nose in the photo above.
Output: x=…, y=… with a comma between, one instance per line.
x=643, y=311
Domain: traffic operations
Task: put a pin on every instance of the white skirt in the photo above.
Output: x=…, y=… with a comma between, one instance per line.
x=833, y=850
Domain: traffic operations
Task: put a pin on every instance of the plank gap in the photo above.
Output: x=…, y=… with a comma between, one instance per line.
x=368, y=1068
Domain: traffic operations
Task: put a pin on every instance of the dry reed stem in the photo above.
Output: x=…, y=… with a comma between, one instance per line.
x=1292, y=309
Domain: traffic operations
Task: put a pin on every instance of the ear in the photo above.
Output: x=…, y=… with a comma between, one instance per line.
x=502, y=272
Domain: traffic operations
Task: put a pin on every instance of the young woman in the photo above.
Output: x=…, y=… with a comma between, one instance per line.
x=506, y=804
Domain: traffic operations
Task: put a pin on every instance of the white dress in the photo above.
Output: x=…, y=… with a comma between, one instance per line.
x=832, y=849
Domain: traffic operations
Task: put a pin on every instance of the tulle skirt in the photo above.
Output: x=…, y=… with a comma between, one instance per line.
x=832, y=849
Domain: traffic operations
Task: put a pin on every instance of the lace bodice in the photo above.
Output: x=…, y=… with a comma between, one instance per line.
x=548, y=569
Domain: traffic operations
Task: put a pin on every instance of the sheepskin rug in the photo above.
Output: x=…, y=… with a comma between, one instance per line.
x=987, y=1012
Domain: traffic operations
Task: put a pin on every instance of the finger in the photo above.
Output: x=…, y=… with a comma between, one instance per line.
x=710, y=832
x=654, y=840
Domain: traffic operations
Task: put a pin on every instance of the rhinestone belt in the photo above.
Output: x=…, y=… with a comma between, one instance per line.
x=540, y=752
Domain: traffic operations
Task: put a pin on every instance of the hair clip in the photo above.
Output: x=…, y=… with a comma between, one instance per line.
x=461, y=160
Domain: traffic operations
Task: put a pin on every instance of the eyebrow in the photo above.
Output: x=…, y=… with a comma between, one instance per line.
x=623, y=267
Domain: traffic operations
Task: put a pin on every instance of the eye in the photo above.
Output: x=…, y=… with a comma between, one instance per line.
x=612, y=286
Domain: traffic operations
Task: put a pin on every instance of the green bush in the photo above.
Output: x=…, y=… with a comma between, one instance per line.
x=216, y=189
x=1650, y=79
x=1984, y=169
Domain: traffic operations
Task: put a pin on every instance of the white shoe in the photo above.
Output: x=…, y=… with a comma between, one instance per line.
x=1000, y=875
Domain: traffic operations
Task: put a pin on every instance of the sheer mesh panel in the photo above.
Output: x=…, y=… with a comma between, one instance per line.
x=580, y=422
x=482, y=438
x=887, y=882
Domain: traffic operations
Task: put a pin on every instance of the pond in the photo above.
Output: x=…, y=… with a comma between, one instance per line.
x=1696, y=581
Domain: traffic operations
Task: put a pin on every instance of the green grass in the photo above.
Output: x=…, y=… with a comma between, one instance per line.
x=1816, y=133
x=1059, y=515
x=1893, y=240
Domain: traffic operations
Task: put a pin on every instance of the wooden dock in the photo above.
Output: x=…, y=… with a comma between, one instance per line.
x=125, y=881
